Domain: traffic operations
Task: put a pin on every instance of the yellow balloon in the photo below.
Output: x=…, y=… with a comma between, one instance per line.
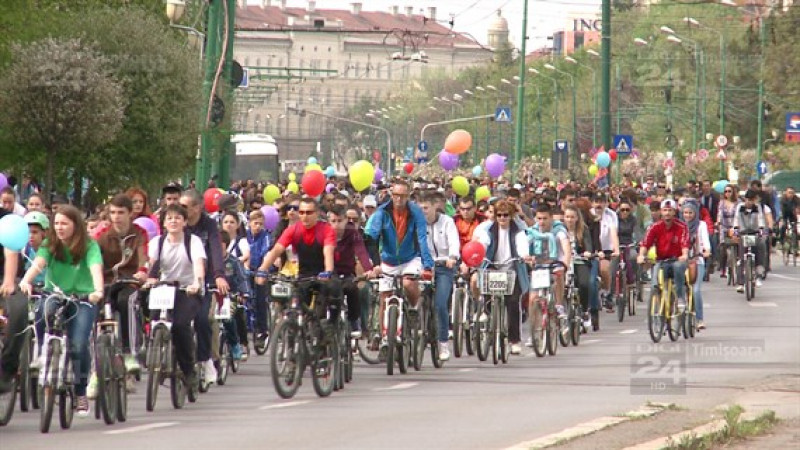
x=311, y=167
x=593, y=170
x=651, y=254
x=460, y=186
x=293, y=187
x=362, y=173
x=271, y=193
x=292, y=177
x=482, y=193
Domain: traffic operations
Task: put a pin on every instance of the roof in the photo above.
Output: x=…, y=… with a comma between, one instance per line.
x=273, y=18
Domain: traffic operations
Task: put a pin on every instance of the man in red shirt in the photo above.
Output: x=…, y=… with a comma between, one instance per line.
x=314, y=242
x=671, y=238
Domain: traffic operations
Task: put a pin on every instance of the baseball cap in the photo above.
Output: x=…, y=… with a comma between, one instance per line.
x=369, y=200
x=37, y=218
x=669, y=203
x=172, y=188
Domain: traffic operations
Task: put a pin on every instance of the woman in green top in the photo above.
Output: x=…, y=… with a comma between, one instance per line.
x=74, y=265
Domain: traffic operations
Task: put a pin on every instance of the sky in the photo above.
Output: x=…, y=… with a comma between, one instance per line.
x=474, y=16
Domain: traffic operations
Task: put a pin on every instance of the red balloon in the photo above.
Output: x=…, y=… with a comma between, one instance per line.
x=409, y=167
x=210, y=199
x=472, y=253
x=313, y=183
x=613, y=154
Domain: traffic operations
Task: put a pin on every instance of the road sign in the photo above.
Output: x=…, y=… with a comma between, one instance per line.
x=761, y=167
x=423, y=146
x=623, y=143
x=793, y=122
x=721, y=155
x=668, y=164
x=560, y=158
x=502, y=114
x=721, y=141
x=245, y=83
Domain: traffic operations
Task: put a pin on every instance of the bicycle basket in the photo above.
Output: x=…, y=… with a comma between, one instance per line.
x=494, y=282
x=749, y=240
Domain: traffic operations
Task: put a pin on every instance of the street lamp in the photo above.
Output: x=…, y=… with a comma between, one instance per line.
x=555, y=100
x=549, y=66
x=175, y=10
x=699, y=75
x=594, y=95
x=641, y=42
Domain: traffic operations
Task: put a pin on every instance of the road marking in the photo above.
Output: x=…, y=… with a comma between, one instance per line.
x=285, y=405
x=763, y=304
x=631, y=331
x=397, y=387
x=590, y=341
x=468, y=369
x=151, y=426
x=784, y=277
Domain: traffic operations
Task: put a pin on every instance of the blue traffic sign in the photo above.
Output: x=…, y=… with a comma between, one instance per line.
x=245, y=78
x=423, y=146
x=561, y=145
x=623, y=143
x=761, y=167
x=502, y=114
x=793, y=122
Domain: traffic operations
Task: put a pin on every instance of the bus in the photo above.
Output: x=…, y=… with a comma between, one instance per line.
x=255, y=157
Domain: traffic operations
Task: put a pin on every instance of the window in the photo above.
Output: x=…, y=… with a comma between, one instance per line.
x=578, y=41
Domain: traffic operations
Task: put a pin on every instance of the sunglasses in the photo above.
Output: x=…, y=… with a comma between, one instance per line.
x=466, y=209
x=624, y=209
x=292, y=207
x=306, y=213
x=501, y=215
x=727, y=191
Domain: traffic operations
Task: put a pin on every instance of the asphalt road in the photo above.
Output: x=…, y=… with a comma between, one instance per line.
x=469, y=404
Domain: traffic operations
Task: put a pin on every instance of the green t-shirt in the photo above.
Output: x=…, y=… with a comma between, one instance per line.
x=71, y=278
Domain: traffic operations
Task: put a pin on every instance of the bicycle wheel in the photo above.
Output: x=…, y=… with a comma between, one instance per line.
x=565, y=328
x=505, y=346
x=177, y=383
x=155, y=357
x=24, y=381
x=120, y=373
x=674, y=319
x=552, y=332
x=370, y=343
x=49, y=391
x=433, y=336
x=483, y=336
x=538, y=324
x=418, y=329
x=494, y=327
x=225, y=359
x=470, y=307
x=286, y=359
x=35, y=392
x=749, y=283
x=690, y=319
x=323, y=366
x=632, y=295
x=392, y=346
x=459, y=295
x=7, y=402
x=404, y=350
x=66, y=406
x=106, y=379
x=655, y=315
x=575, y=324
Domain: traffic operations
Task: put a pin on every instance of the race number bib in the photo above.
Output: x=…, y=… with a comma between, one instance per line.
x=540, y=279
x=162, y=297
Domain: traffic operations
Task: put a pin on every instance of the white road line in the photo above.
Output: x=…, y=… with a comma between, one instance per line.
x=784, y=277
x=631, y=331
x=763, y=304
x=468, y=369
x=397, y=387
x=151, y=426
x=590, y=341
x=285, y=405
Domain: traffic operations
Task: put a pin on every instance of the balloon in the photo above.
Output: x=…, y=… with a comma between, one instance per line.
x=313, y=183
x=311, y=167
x=651, y=254
x=476, y=171
x=460, y=185
x=458, y=142
x=408, y=168
x=210, y=199
x=148, y=225
x=312, y=160
x=3, y=181
x=378, y=175
x=362, y=174
x=330, y=171
x=271, y=193
x=495, y=165
x=613, y=154
x=329, y=187
x=293, y=187
x=593, y=170
x=481, y=193
x=603, y=159
x=14, y=232
x=292, y=177
x=472, y=253
x=448, y=161
x=720, y=186
x=271, y=217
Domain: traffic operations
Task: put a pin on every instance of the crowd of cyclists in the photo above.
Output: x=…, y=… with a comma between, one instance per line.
x=337, y=242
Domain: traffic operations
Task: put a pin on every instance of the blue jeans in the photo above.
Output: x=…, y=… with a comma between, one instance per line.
x=696, y=291
x=444, y=287
x=594, y=291
x=679, y=275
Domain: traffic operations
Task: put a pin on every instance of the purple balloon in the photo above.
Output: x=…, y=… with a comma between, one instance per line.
x=148, y=225
x=271, y=217
x=495, y=165
x=448, y=161
x=378, y=175
x=329, y=187
x=3, y=181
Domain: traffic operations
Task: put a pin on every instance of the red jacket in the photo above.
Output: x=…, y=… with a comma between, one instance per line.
x=465, y=229
x=669, y=242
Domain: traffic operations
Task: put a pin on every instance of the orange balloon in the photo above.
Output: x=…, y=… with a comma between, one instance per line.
x=458, y=142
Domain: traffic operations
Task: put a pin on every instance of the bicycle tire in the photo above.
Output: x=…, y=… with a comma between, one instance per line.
x=675, y=320
x=565, y=328
x=106, y=380
x=552, y=333
x=731, y=266
x=259, y=345
x=24, y=379
x=391, y=339
x=35, y=393
x=576, y=324
x=122, y=390
x=49, y=391
x=469, y=325
x=619, y=295
x=537, y=320
x=8, y=401
x=483, y=336
x=418, y=332
x=177, y=383
x=459, y=295
x=655, y=315
x=633, y=293
x=505, y=349
x=748, y=281
x=66, y=406
x=155, y=358
x=404, y=352
x=690, y=319
x=494, y=327
x=433, y=335
x=286, y=359
x=225, y=359
x=323, y=366
x=370, y=342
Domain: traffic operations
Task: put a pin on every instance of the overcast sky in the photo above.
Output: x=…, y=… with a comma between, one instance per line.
x=474, y=16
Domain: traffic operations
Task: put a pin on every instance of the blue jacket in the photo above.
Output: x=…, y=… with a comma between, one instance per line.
x=259, y=246
x=381, y=227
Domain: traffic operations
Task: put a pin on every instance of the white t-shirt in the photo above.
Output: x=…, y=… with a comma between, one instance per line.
x=244, y=247
x=175, y=264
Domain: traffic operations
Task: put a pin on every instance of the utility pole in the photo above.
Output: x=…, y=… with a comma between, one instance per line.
x=521, y=92
x=762, y=33
x=605, y=113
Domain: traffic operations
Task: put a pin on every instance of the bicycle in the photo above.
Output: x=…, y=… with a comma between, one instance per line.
x=227, y=364
x=663, y=305
x=789, y=245
x=544, y=322
x=626, y=295
x=28, y=374
x=370, y=341
x=462, y=314
x=495, y=284
x=7, y=399
x=575, y=315
x=426, y=331
x=161, y=361
x=398, y=336
x=749, y=243
x=302, y=339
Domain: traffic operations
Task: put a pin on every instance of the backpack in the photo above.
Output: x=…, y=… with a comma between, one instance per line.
x=155, y=271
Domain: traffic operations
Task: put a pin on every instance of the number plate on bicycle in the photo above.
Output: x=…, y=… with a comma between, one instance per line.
x=497, y=281
x=540, y=279
x=223, y=312
x=385, y=284
x=281, y=290
x=162, y=297
x=749, y=240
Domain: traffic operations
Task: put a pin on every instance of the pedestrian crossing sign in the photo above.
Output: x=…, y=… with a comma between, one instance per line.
x=623, y=143
x=502, y=114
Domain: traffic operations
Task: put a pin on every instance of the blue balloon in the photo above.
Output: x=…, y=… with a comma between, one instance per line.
x=476, y=171
x=603, y=160
x=14, y=232
x=312, y=160
x=330, y=171
x=720, y=186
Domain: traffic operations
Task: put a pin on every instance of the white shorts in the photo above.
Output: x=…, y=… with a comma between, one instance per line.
x=413, y=267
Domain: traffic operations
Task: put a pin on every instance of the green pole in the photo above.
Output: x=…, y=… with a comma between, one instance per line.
x=605, y=114
x=225, y=161
x=697, y=72
x=619, y=119
x=520, y=92
x=539, y=118
x=722, y=85
x=211, y=59
x=761, y=93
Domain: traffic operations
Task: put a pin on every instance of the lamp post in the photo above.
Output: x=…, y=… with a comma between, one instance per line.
x=520, y=91
x=572, y=60
x=555, y=100
x=691, y=21
x=700, y=71
x=574, y=111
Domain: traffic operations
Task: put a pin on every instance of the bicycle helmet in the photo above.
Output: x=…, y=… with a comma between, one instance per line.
x=37, y=218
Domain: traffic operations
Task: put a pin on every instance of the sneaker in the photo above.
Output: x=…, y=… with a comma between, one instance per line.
x=191, y=381
x=444, y=351
x=483, y=318
x=740, y=288
x=132, y=364
x=91, y=388
x=210, y=376
x=723, y=274
x=245, y=353
x=759, y=283
x=701, y=325
x=382, y=352
x=355, y=329
x=39, y=362
x=562, y=313
x=516, y=349
x=83, y=407
x=130, y=384
x=529, y=342
x=236, y=352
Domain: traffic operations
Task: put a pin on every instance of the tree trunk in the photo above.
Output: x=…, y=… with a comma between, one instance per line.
x=77, y=186
x=48, y=182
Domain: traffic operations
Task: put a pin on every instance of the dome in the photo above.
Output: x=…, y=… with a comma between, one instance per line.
x=499, y=23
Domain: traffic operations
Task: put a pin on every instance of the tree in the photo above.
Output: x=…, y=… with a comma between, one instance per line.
x=58, y=96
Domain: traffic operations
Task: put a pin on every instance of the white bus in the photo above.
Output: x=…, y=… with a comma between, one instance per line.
x=255, y=157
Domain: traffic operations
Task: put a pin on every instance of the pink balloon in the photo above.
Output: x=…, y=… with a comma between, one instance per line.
x=271, y=217
x=3, y=181
x=329, y=187
x=148, y=225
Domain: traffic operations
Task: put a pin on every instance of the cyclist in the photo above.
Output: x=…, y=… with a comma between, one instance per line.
x=671, y=239
x=260, y=241
x=750, y=217
x=549, y=241
x=628, y=233
x=74, y=265
x=700, y=249
x=38, y=224
x=789, y=204
x=177, y=255
x=580, y=239
x=467, y=219
x=725, y=214
x=443, y=243
x=170, y=195
x=609, y=244
x=503, y=241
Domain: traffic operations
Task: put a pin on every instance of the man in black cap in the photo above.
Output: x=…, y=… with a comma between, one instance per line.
x=170, y=195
